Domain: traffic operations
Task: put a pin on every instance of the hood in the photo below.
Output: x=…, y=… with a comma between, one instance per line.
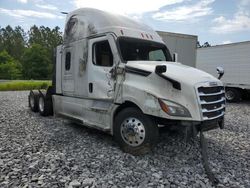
x=176, y=71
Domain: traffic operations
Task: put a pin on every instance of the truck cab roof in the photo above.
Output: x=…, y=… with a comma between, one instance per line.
x=88, y=22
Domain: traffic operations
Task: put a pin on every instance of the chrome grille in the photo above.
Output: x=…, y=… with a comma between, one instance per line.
x=212, y=101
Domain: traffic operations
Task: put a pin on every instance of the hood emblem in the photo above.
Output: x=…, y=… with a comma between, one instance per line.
x=213, y=84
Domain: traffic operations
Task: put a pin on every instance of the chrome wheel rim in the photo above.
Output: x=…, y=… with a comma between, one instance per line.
x=132, y=131
x=41, y=104
x=32, y=101
x=229, y=95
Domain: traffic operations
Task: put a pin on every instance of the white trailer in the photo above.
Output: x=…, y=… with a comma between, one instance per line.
x=235, y=60
x=182, y=44
x=117, y=75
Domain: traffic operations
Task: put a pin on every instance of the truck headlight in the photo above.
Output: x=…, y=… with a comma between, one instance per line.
x=173, y=109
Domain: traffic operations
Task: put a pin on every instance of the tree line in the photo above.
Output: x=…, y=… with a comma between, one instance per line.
x=205, y=45
x=28, y=54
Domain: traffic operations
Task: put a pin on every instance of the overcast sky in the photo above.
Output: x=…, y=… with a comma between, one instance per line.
x=215, y=21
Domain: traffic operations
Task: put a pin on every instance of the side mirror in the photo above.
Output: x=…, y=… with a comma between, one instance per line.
x=160, y=69
x=220, y=72
x=175, y=57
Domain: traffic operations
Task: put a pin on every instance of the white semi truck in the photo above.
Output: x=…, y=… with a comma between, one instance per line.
x=235, y=60
x=117, y=75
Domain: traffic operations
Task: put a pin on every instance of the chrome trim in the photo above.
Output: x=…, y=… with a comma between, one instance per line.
x=214, y=110
x=211, y=94
x=202, y=103
x=213, y=102
x=222, y=114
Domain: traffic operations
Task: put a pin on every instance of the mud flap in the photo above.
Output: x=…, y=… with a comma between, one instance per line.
x=205, y=162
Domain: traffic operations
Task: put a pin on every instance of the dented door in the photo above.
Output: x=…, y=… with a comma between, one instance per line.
x=100, y=63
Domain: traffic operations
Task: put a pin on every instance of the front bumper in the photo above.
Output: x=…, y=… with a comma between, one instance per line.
x=193, y=125
x=211, y=124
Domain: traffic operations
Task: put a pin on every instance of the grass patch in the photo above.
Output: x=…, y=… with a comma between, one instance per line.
x=18, y=85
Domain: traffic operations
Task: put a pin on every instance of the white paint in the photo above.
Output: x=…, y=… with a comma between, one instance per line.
x=97, y=108
x=59, y=69
x=103, y=22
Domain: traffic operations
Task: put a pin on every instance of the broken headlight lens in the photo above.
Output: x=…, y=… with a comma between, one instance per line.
x=173, y=109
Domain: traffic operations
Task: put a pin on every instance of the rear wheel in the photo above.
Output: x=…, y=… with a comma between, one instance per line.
x=135, y=132
x=33, y=100
x=233, y=95
x=44, y=106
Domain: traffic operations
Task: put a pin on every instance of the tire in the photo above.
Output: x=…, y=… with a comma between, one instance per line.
x=33, y=100
x=44, y=105
x=233, y=95
x=135, y=132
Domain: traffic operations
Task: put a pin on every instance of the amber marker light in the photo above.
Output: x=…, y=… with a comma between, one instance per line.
x=164, y=107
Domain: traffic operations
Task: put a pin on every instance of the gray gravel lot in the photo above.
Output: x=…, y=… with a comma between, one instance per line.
x=40, y=151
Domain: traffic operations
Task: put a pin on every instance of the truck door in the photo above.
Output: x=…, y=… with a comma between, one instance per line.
x=68, y=84
x=100, y=63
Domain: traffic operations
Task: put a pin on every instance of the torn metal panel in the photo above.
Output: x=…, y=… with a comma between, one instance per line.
x=90, y=111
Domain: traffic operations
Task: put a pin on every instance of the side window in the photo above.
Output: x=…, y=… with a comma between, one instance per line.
x=102, y=54
x=67, y=61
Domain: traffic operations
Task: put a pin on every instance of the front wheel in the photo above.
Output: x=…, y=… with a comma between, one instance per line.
x=135, y=132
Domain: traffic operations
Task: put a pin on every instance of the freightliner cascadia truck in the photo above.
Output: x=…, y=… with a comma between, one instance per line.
x=117, y=75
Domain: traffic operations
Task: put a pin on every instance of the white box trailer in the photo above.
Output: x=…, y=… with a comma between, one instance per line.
x=235, y=60
x=182, y=44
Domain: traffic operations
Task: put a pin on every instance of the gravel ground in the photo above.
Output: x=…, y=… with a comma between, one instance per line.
x=40, y=151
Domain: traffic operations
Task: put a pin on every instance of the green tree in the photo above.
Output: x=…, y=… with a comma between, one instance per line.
x=17, y=43
x=198, y=45
x=9, y=67
x=13, y=41
x=206, y=44
x=36, y=63
x=47, y=38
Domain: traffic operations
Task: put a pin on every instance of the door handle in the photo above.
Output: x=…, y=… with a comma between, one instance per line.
x=91, y=87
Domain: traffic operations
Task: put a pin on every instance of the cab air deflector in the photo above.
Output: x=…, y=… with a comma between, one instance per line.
x=176, y=84
x=132, y=70
x=159, y=69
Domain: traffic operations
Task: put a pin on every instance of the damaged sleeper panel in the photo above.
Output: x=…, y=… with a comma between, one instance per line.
x=89, y=112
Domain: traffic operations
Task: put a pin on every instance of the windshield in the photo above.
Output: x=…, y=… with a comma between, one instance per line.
x=142, y=50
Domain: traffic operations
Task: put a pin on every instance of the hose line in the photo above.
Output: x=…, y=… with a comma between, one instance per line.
x=204, y=156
